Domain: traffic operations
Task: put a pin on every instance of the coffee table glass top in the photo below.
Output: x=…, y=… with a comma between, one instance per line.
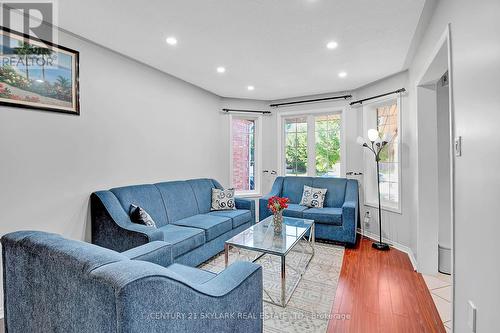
x=261, y=237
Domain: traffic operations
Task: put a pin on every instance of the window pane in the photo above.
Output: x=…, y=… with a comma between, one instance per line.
x=387, y=123
x=296, y=146
x=327, y=133
x=243, y=147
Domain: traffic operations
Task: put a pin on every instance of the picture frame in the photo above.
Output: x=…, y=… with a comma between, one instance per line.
x=38, y=74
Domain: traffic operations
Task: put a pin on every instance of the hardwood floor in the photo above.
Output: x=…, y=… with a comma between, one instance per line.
x=380, y=292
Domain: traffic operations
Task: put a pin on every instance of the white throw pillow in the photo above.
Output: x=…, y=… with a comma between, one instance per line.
x=223, y=199
x=313, y=197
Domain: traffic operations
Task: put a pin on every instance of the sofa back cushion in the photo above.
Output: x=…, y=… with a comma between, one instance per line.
x=51, y=274
x=146, y=196
x=179, y=199
x=293, y=187
x=202, y=189
x=335, y=193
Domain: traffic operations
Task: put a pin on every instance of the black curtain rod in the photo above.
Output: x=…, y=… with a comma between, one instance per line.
x=311, y=100
x=246, y=111
x=402, y=90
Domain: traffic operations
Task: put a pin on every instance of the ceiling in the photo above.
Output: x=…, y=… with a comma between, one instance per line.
x=278, y=46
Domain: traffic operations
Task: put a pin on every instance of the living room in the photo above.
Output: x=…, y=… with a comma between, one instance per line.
x=249, y=166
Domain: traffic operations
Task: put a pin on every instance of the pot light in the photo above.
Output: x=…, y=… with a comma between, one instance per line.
x=171, y=41
x=332, y=45
x=251, y=88
x=342, y=74
x=221, y=69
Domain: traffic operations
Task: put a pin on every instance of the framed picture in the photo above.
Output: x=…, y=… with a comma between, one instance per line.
x=37, y=74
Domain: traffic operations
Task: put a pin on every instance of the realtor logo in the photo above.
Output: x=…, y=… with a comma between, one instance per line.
x=34, y=18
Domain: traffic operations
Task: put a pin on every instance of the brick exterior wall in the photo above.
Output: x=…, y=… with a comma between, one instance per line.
x=241, y=154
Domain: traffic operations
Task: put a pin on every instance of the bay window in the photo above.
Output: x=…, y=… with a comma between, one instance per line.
x=244, y=149
x=385, y=117
x=312, y=145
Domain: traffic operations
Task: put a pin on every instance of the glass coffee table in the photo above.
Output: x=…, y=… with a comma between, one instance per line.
x=262, y=239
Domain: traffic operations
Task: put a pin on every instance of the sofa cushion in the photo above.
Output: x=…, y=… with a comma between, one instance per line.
x=191, y=274
x=223, y=199
x=313, y=197
x=294, y=210
x=214, y=226
x=239, y=216
x=146, y=196
x=294, y=186
x=202, y=189
x=179, y=200
x=336, y=190
x=140, y=216
x=324, y=215
x=183, y=239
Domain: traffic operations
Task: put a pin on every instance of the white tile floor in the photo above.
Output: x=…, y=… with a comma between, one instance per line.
x=441, y=287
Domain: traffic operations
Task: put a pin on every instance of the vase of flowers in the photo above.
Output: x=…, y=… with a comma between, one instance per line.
x=277, y=205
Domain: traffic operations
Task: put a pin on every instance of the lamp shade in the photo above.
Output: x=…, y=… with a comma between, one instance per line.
x=373, y=134
x=387, y=137
x=360, y=141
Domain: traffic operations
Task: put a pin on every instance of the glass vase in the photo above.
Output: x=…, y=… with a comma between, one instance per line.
x=278, y=222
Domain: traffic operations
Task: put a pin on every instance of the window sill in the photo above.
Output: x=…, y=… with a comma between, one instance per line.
x=396, y=210
x=248, y=195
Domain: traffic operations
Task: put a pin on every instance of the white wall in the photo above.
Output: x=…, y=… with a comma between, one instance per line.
x=137, y=125
x=475, y=80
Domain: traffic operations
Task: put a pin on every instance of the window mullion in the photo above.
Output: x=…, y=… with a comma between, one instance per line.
x=311, y=146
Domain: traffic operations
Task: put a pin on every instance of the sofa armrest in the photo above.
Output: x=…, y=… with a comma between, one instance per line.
x=350, y=209
x=275, y=191
x=151, y=298
x=111, y=225
x=230, y=279
x=248, y=204
x=156, y=252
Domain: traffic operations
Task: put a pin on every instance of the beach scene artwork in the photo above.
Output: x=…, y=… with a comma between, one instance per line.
x=37, y=74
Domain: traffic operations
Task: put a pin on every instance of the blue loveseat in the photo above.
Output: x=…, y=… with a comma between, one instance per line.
x=54, y=284
x=337, y=221
x=181, y=211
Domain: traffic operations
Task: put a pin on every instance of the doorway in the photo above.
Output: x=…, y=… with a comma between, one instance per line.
x=435, y=135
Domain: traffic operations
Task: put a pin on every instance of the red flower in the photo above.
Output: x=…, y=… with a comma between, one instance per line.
x=276, y=204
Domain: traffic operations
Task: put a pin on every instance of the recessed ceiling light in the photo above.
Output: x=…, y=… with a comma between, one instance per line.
x=342, y=74
x=250, y=88
x=332, y=45
x=171, y=41
x=221, y=69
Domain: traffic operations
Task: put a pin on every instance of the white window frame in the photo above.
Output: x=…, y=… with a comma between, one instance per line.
x=369, y=160
x=311, y=158
x=258, y=153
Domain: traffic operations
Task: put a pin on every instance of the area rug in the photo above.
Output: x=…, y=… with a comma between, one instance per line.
x=309, y=309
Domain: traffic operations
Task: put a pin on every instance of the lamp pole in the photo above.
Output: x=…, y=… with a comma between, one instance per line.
x=376, y=147
x=379, y=245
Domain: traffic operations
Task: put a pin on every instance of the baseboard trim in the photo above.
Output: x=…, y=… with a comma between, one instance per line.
x=396, y=245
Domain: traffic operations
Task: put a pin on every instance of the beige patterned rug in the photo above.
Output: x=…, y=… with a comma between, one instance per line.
x=309, y=309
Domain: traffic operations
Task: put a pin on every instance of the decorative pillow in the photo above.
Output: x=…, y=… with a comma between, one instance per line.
x=139, y=215
x=313, y=197
x=223, y=199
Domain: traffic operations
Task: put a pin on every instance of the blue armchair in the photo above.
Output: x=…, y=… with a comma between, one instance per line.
x=54, y=284
x=337, y=221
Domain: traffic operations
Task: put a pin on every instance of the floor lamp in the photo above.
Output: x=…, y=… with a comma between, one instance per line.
x=376, y=147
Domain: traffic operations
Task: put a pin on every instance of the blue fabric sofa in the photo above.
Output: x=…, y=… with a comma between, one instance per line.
x=181, y=211
x=336, y=221
x=54, y=284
